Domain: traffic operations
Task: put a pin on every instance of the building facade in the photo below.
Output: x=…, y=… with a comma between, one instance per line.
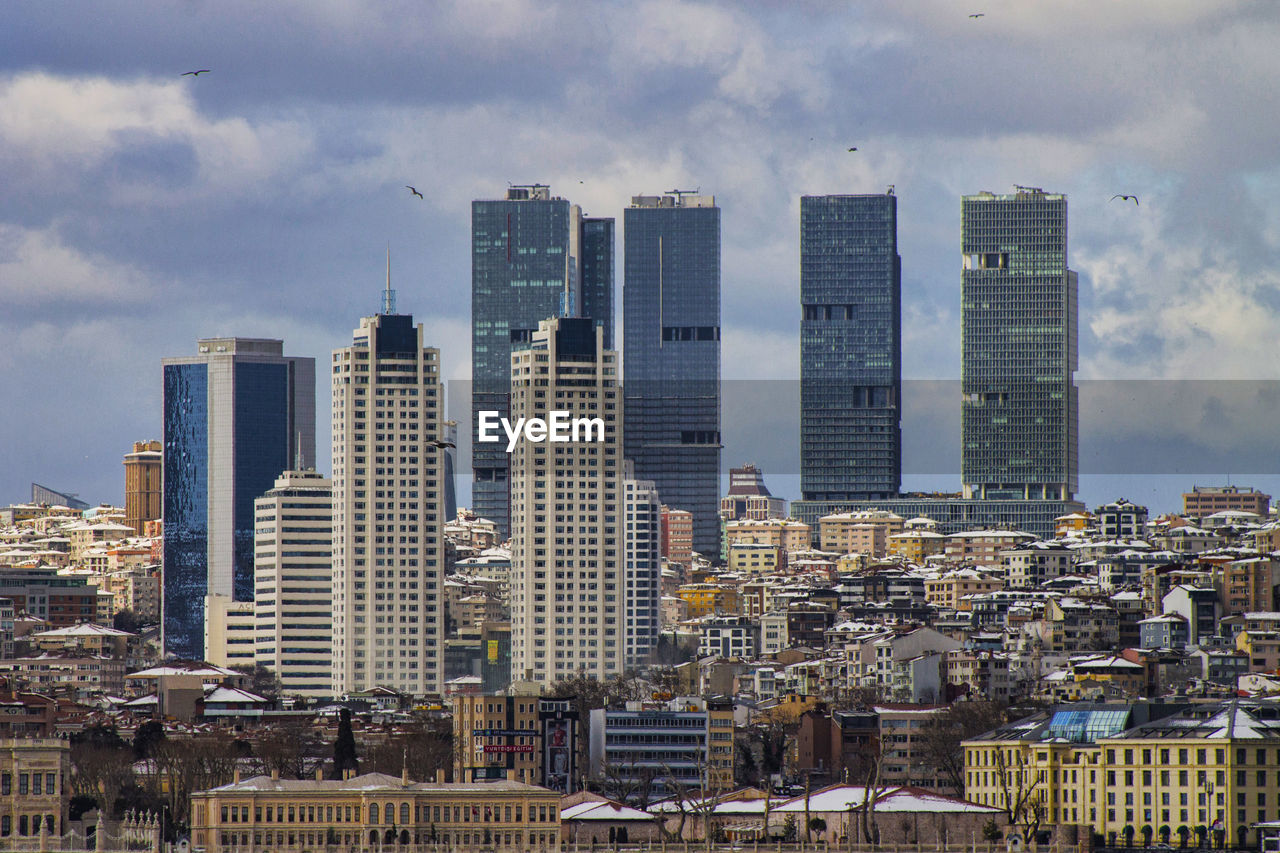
x=684, y=746
x=533, y=256
x=293, y=583
x=143, y=484
x=568, y=581
x=236, y=414
x=643, y=570
x=34, y=773
x=850, y=348
x=1020, y=407
x=388, y=509
x=671, y=308
x=1206, y=500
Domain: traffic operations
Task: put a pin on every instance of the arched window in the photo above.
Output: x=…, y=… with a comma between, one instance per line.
x=404, y=814
x=373, y=815
x=390, y=813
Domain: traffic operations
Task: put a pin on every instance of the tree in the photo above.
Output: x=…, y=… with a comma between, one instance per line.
x=146, y=737
x=262, y=680
x=185, y=766
x=102, y=766
x=344, y=748
x=291, y=749
x=633, y=785
x=423, y=748
x=126, y=620
x=991, y=831
x=1020, y=794
x=944, y=732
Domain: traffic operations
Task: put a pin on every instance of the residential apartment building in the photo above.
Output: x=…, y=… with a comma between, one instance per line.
x=388, y=508
x=1202, y=501
x=643, y=567
x=497, y=737
x=862, y=532
x=749, y=497
x=568, y=540
x=675, y=535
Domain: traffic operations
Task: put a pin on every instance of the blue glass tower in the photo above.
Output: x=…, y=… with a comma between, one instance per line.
x=850, y=348
x=671, y=357
x=533, y=256
x=235, y=417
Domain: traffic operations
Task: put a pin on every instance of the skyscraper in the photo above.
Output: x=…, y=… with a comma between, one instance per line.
x=533, y=256
x=293, y=583
x=568, y=581
x=235, y=415
x=388, y=509
x=671, y=308
x=1020, y=410
x=850, y=348
x=643, y=569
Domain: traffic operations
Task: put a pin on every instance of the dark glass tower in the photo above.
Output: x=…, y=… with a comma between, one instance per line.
x=1020, y=412
x=850, y=348
x=235, y=416
x=533, y=256
x=671, y=358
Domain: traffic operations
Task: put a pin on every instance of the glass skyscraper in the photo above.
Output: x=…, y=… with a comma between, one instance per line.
x=671, y=358
x=533, y=256
x=236, y=416
x=1020, y=410
x=850, y=348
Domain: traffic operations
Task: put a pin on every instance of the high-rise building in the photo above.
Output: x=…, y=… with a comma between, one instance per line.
x=567, y=505
x=533, y=256
x=1020, y=409
x=749, y=497
x=388, y=509
x=236, y=414
x=143, y=483
x=293, y=583
x=643, y=569
x=671, y=308
x=850, y=348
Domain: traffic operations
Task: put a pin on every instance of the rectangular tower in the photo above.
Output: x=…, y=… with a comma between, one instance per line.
x=235, y=415
x=850, y=348
x=567, y=505
x=143, y=484
x=1020, y=410
x=533, y=256
x=643, y=570
x=671, y=308
x=388, y=510
x=293, y=583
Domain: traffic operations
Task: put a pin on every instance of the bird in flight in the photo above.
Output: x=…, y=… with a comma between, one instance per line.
x=853, y=149
x=979, y=15
x=194, y=73
x=1132, y=198
x=412, y=190
x=441, y=445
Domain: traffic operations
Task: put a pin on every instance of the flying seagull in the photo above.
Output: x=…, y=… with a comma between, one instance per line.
x=441, y=445
x=1132, y=198
x=194, y=73
x=412, y=190
x=853, y=149
x=979, y=15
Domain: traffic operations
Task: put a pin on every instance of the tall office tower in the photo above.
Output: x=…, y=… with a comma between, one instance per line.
x=388, y=509
x=671, y=358
x=850, y=348
x=643, y=568
x=293, y=583
x=1020, y=407
x=567, y=502
x=143, y=483
x=533, y=256
x=235, y=415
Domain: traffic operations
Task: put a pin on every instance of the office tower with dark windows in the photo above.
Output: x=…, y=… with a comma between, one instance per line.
x=236, y=415
x=850, y=348
x=671, y=358
x=568, y=502
x=388, y=509
x=1020, y=411
x=533, y=256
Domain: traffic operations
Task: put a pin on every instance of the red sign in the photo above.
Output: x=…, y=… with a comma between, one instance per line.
x=506, y=747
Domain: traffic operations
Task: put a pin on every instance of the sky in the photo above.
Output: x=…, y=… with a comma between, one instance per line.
x=141, y=209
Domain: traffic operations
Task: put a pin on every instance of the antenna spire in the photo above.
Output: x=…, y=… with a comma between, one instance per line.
x=389, y=298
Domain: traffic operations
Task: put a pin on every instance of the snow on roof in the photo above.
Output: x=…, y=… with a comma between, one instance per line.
x=84, y=629
x=231, y=694
x=206, y=670
x=603, y=811
x=913, y=800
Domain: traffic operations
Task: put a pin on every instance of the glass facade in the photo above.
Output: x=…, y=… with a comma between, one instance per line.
x=186, y=496
x=526, y=268
x=850, y=348
x=1020, y=409
x=671, y=360
x=261, y=424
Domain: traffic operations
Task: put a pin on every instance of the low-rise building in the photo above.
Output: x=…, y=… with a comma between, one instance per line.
x=683, y=744
x=34, y=773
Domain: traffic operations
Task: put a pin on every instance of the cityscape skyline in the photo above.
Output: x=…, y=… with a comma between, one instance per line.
x=1165, y=285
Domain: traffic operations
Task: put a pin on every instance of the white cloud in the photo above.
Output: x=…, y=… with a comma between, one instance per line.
x=37, y=268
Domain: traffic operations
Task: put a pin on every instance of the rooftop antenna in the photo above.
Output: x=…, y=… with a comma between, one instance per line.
x=389, y=298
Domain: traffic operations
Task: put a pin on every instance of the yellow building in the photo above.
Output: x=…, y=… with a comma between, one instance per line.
x=785, y=533
x=1202, y=775
x=1263, y=649
x=863, y=532
x=950, y=589
x=708, y=599
x=915, y=545
x=496, y=737
x=756, y=559
x=33, y=772
x=373, y=812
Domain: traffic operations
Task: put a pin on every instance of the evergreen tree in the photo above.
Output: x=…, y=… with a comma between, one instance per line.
x=344, y=748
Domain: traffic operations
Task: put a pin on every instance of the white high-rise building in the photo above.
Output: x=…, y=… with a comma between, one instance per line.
x=293, y=583
x=567, y=502
x=388, y=509
x=643, y=568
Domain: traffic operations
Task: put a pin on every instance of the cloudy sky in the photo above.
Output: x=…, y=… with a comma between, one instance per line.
x=140, y=210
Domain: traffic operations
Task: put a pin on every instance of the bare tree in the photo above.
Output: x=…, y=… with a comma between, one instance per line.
x=943, y=733
x=291, y=749
x=1021, y=796
x=423, y=748
x=185, y=766
x=101, y=772
x=631, y=785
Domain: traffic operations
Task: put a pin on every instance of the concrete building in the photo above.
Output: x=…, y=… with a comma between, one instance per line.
x=1020, y=405
x=1206, y=500
x=228, y=631
x=685, y=744
x=671, y=299
x=143, y=484
x=749, y=497
x=862, y=532
x=388, y=508
x=497, y=737
x=293, y=583
x=236, y=414
x=1121, y=519
x=34, y=792
x=735, y=637
x=568, y=579
x=533, y=256
x=643, y=567
x=675, y=535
